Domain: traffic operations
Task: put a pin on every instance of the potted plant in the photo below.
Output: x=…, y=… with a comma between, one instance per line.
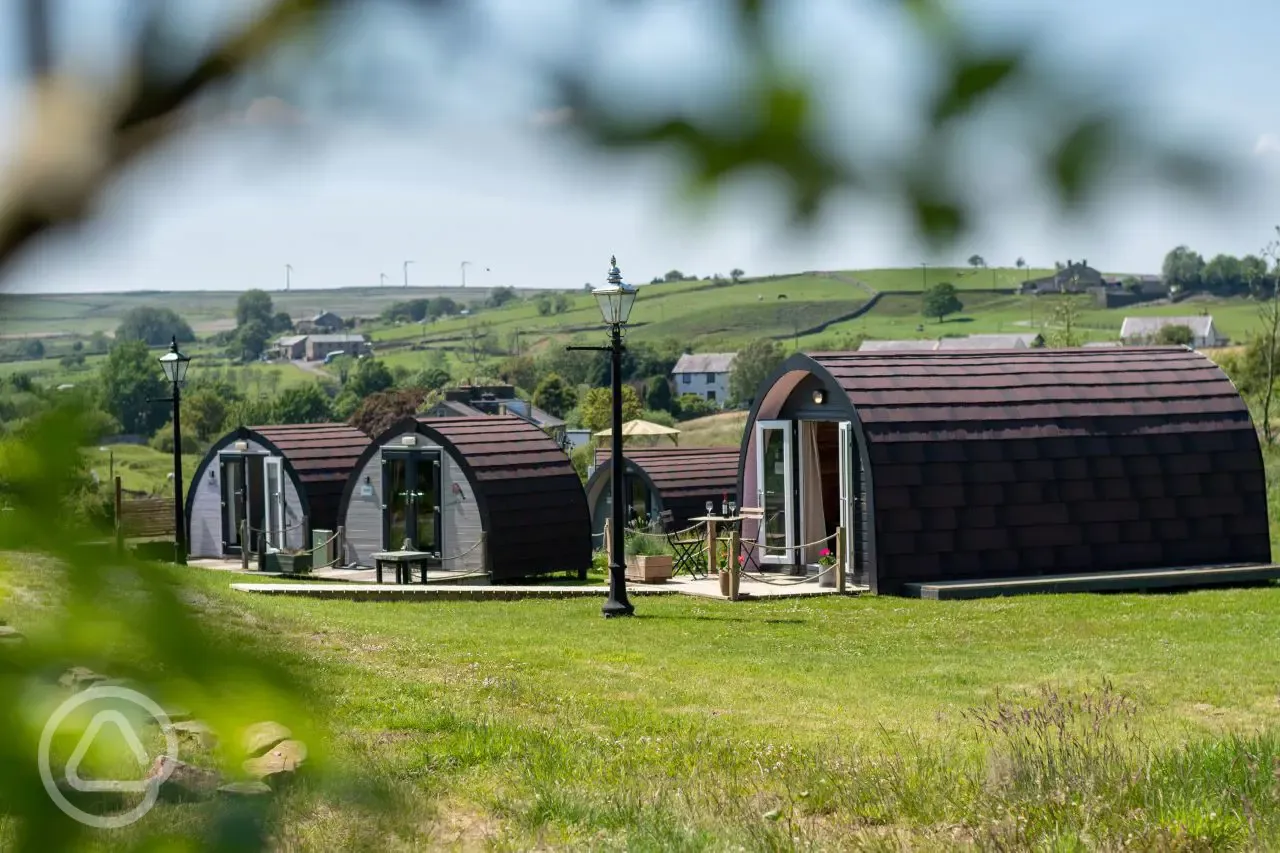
x=290, y=562
x=648, y=559
x=730, y=571
x=826, y=562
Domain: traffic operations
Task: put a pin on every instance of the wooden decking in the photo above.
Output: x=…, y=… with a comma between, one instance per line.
x=1136, y=581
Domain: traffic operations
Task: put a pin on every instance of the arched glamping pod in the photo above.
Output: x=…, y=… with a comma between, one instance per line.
x=487, y=493
x=679, y=479
x=287, y=480
x=947, y=466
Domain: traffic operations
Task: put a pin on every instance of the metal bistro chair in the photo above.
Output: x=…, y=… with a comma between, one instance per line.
x=687, y=548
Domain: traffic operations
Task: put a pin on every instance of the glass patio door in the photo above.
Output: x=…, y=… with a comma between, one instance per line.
x=233, y=500
x=775, y=479
x=395, y=474
x=411, y=483
x=426, y=503
x=273, y=501
x=848, y=495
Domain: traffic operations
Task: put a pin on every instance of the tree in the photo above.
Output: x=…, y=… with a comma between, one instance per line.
x=555, y=396
x=520, y=371
x=369, y=377
x=379, y=412
x=31, y=349
x=251, y=339
x=303, y=404
x=282, y=322
x=254, y=305
x=691, y=406
x=1183, y=269
x=659, y=397
x=753, y=364
x=154, y=326
x=204, y=413
x=1065, y=324
x=500, y=296
x=1178, y=335
x=543, y=304
x=441, y=306
x=736, y=274
x=129, y=381
x=563, y=303
x=429, y=379
x=941, y=300
x=476, y=340
x=1253, y=272
x=674, y=275
x=1021, y=263
x=597, y=407
x=1224, y=275
x=976, y=261
x=1269, y=314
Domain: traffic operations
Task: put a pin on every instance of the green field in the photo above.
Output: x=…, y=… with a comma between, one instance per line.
x=702, y=314
x=853, y=723
x=140, y=468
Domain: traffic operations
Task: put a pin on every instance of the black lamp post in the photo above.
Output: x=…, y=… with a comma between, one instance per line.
x=615, y=301
x=175, y=366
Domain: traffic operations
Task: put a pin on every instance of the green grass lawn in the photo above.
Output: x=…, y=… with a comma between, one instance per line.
x=140, y=468
x=829, y=723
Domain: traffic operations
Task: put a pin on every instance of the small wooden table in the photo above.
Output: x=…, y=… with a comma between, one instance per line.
x=404, y=561
x=712, y=521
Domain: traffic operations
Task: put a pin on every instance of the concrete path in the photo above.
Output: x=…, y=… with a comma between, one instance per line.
x=748, y=590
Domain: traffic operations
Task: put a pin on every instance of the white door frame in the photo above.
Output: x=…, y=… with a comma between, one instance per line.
x=275, y=535
x=848, y=499
x=788, y=476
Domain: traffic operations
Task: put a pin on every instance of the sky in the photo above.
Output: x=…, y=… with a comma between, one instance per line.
x=467, y=163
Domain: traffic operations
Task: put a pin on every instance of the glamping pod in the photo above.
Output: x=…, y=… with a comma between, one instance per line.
x=287, y=480
x=952, y=466
x=679, y=479
x=488, y=494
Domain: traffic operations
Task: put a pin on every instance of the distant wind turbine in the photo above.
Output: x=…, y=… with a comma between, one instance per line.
x=382, y=279
x=288, y=270
x=464, y=266
x=406, y=273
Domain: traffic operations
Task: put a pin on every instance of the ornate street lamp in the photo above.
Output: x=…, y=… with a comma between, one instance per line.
x=616, y=301
x=175, y=365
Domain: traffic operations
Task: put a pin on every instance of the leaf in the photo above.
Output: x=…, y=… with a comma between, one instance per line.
x=973, y=78
x=1081, y=155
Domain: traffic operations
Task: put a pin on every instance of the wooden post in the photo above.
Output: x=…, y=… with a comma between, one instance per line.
x=340, y=546
x=712, y=568
x=119, y=507
x=840, y=555
x=262, y=550
x=735, y=576
x=244, y=544
x=608, y=536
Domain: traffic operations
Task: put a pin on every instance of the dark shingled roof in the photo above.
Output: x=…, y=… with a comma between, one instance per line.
x=534, y=507
x=684, y=477
x=1026, y=462
x=323, y=456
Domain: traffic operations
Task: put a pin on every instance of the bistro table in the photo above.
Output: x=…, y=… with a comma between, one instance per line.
x=404, y=561
x=712, y=522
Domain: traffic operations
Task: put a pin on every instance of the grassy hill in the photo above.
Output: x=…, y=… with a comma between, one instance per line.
x=801, y=310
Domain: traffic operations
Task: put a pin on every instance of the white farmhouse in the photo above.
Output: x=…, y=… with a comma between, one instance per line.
x=705, y=374
x=1142, y=330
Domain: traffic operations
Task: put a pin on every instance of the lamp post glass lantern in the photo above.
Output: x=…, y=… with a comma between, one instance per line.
x=615, y=302
x=175, y=364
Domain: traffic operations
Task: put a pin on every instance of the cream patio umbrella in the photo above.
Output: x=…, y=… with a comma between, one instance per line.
x=638, y=427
